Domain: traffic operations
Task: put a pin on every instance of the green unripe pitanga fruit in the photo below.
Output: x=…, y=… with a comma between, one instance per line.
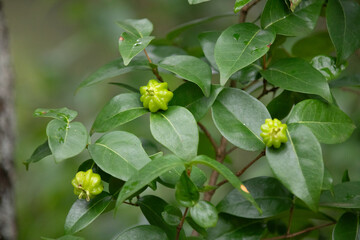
x=273, y=133
x=155, y=95
x=87, y=184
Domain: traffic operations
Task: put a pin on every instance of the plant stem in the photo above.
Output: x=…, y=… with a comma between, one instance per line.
x=132, y=204
x=208, y=135
x=300, y=232
x=179, y=227
x=290, y=216
x=153, y=67
x=265, y=91
x=244, y=11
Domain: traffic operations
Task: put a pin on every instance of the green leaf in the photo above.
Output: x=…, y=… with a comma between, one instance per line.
x=113, y=69
x=119, y=153
x=40, y=153
x=190, y=68
x=121, y=109
x=66, y=139
x=253, y=231
x=281, y=106
x=207, y=42
x=345, y=195
x=63, y=114
x=126, y=86
x=327, y=181
x=283, y=21
x=171, y=177
x=158, y=53
x=130, y=46
x=239, y=4
x=318, y=43
x=298, y=164
x=152, y=207
x=272, y=197
x=347, y=227
x=82, y=213
x=172, y=215
x=297, y=75
x=239, y=46
x=147, y=174
x=247, y=74
x=197, y=1
x=139, y=232
x=345, y=177
x=342, y=18
x=137, y=27
x=204, y=214
x=176, y=129
x=189, y=96
x=346, y=81
x=90, y=164
x=328, y=123
x=238, y=116
x=186, y=192
x=227, y=174
x=327, y=66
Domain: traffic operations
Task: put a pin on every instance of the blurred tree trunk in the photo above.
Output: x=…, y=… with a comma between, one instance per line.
x=7, y=125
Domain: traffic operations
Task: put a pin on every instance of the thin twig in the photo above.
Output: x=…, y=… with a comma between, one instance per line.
x=244, y=11
x=291, y=214
x=132, y=204
x=153, y=67
x=231, y=150
x=179, y=227
x=265, y=91
x=301, y=232
x=208, y=135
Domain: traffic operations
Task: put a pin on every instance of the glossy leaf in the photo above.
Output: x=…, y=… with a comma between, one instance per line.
x=318, y=43
x=186, y=192
x=327, y=122
x=190, y=68
x=238, y=116
x=297, y=75
x=281, y=105
x=273, y=198
x=283, y=21
x=137, y=27
x=347, y=227
x=119, y=153
x=344, y=195
x=172, y=215
x=152, y=207
x=227, y=174
x=66, y=139
x=113, y=69
x=239, y=4
x=171, y=177
x=139, y=232
x=346, y=81
x=147, y=174
x=119, y=110
x=342, y=18
x=207, y=42
x=298, y=164
x=130, y=46
x=82, y=213
x=204, y=214
x=63, y=114
x=40, y=153
x=327, y=66
x=239, y=46
x=176, y=129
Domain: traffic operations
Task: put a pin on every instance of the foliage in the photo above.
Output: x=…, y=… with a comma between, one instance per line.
x=237, y=68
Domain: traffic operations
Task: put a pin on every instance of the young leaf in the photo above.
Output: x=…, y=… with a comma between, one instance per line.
x=342, y=18
x=176, y=129
x=298, y=164
x=137, y=27
x=139, y=232
x=227, y=174
x=121, y=109
x=347, y=227
x=327, y=122
x=66, y=139
x=238, y=116
x=344, y=195
x=82, y=213
x=327, y=66
x=40, y=153
x=283, y=21
x=172, y=215
x=130, y=46
x=297, y=75
x=119, y=153
x=63, y=114
x=272, y=197
x=207, y=42
x=239, y=46
x=186, y=192
x=147, y=174
x=239, y=4
x=204, y=214
x=190, y=68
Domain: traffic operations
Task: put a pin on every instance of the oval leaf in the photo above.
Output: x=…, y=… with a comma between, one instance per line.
x=63, y=114
x=238, y=116
x=176, y=129
x=344, y=195
x=121, y=109
x=298, y=164
x=297, y=75
x=137, y=27
x=186, y=192
x=239, y=46
x=207, y=42
x=327, y=122
x=82, y=213
x=130, y=46
x=190, y=68
x=347, y=227
x=119, y=153
x=66, y=139
x=40, y=153
x=204, y=214
x=139, y=232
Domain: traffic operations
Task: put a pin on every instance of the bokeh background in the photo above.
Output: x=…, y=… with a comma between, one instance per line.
x=55, y=44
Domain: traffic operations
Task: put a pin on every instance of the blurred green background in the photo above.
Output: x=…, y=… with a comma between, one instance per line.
x=55, y=44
